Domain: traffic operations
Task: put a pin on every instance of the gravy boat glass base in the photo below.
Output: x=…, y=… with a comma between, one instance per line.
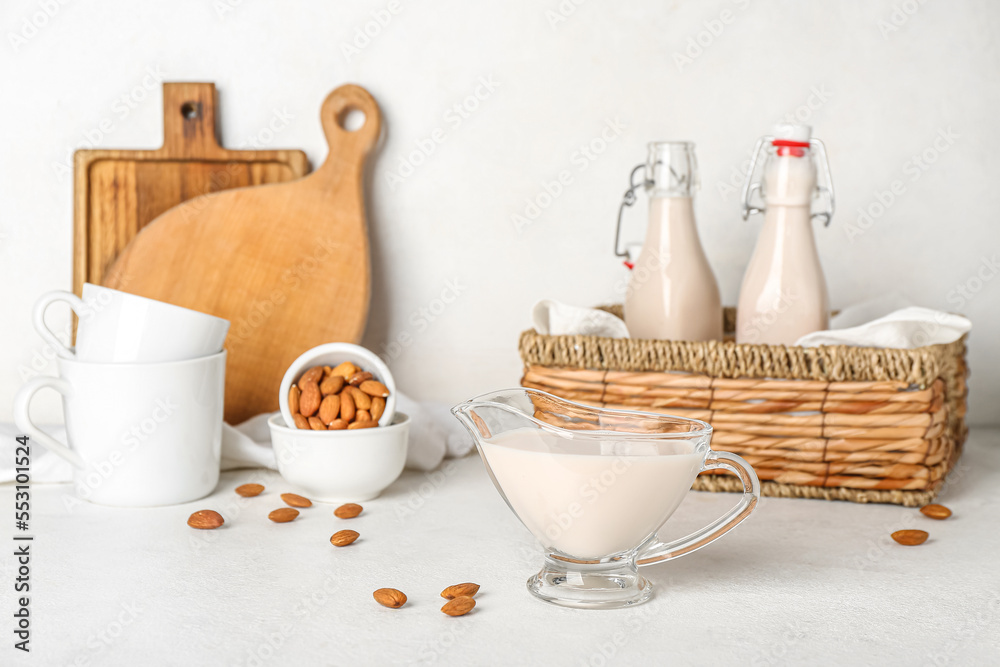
x=594, y=485
x=590, y=585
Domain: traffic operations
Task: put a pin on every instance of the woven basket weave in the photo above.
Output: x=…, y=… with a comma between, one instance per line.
x=831, y=422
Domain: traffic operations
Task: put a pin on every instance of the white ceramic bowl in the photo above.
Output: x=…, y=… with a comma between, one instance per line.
x=332, y=354
x=341, y=466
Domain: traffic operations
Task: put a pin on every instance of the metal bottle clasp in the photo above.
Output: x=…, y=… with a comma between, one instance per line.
x=824, y=183
x=628, y=199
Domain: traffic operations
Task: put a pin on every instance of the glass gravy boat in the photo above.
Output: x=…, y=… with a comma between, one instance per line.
x=594, y=485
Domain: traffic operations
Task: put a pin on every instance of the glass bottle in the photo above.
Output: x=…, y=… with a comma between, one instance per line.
x=672, y=292
x=784, y=295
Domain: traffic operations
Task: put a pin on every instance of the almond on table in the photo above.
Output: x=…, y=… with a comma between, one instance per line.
x=206, y=520
x=390, y=597
x=460, y=590
x=295, y=500
x=348, y=511
x=935, y=511
x=343, y=537
x=910, y=538
x=283, y=515
x=459, y=606
x=250, y=490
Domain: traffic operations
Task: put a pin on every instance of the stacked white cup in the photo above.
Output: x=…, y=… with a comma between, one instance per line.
x=143, y=394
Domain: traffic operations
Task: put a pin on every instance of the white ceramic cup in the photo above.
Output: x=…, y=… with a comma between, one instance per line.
x=139, y=435
x=116, y=327
x=341, y=466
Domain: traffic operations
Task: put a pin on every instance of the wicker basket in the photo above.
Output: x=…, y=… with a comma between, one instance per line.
x=831, y=422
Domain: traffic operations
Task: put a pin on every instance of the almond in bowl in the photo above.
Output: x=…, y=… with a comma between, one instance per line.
x=337, y=387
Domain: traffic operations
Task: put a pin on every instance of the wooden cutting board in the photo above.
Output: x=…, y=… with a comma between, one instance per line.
x=287, y=264
x=118, y=192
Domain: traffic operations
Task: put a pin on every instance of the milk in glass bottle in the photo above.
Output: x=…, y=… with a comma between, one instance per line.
x=784, y=296
x=672, y=293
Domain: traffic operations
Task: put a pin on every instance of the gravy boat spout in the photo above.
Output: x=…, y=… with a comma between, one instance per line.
x=594, y=485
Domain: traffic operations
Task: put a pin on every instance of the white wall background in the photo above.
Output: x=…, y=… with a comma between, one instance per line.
x=879, y=80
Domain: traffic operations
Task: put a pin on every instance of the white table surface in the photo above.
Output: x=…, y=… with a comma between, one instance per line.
x=801, y=582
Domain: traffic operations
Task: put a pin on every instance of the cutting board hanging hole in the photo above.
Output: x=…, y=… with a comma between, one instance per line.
x=190, y=110
x=352, y=124
x=352, y=119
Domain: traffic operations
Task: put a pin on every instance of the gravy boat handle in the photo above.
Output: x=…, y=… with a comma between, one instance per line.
x=657, y=551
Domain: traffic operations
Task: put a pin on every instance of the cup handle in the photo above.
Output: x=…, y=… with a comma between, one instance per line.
x=660, y=551
x=23, y=419
x=76, y=303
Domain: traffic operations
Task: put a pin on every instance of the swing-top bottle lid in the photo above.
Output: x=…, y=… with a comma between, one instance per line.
x=790, y=134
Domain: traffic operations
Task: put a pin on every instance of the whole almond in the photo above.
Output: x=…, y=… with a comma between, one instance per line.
x=390, y=597
x=378, y=407
x=353, y=426
x=327, y=370
x=331, y=385
x=337, y=425
x=329, y=408
x=314, y=374
x=300, y=421
x=293, y=398
x=459, y=606
x=283, y=515
x=460, y=590
x=345, y=370
x=205, y=520
x=316, y=424
x=910, y=538
x=296, y=500
x=362, y=401
x=363, y=416
x=348, y=511
x=250, y=490
x=359, y=377
x=374, y=388
x=310, y=399
x=343, y=537
x=935, y=511
x=347, y=408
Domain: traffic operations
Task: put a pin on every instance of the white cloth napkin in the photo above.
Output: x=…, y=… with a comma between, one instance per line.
x=434, y=435
x=905, y=328
x=559, y=319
